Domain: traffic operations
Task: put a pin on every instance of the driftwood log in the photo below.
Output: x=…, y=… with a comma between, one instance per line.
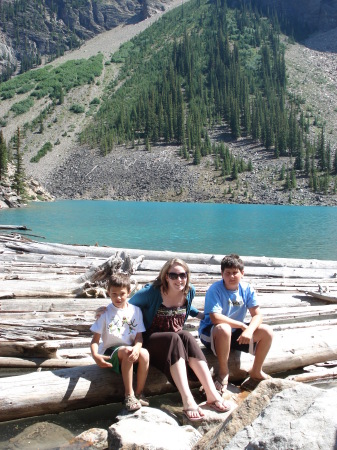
x=80, y=387
x=44, y=322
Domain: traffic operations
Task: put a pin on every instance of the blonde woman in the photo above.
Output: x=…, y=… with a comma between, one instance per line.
x=166, y=304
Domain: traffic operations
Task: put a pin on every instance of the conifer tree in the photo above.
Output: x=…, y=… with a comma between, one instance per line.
x=3, y=156
x=19, y=174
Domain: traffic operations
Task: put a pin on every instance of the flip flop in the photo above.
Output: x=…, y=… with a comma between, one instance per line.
x=221, y=384
x=193, y=419
x=251, y=383
x=215, y=406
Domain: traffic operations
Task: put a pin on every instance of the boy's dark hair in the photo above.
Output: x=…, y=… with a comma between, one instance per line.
x=232, y=261
x=119, y=280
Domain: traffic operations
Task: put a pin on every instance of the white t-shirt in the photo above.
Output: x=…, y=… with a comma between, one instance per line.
x=118, y=326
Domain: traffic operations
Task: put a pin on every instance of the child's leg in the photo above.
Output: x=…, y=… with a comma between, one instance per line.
x=143, y=369
x=127, y=369
x=222, y=334
x=263, y=335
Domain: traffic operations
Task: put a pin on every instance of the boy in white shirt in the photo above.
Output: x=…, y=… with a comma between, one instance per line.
x=120, y=327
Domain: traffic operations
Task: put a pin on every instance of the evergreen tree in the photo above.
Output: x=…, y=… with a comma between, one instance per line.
x=19, y=174
x=197, y=156
x=3, y=156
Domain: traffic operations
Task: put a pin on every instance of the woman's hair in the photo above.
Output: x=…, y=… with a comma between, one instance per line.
x=161, y=281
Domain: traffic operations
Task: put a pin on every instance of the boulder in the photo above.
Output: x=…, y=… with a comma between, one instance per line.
x=42, y=435
x=151, y=428
x=279, y=415
x=95, y=438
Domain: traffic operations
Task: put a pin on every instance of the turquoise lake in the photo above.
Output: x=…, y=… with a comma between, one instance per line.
x=249, y=230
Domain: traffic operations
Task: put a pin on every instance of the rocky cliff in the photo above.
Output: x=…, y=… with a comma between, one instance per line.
x=30, y=29
x=320, y=15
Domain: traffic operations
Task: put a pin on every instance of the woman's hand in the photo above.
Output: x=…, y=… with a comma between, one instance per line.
x=99, y=311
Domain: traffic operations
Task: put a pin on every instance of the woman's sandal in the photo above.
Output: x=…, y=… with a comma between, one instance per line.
x=193, y=419
x=215, y=406
x=131, y=403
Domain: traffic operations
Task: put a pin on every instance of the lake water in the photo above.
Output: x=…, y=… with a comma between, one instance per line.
x=249, y=230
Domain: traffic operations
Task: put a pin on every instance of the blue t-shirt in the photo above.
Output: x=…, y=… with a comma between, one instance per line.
x=233, y=304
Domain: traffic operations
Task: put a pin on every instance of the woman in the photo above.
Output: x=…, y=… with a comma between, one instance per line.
x=166, y=304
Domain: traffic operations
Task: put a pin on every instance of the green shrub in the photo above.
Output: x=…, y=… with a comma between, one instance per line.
x=76, y=108
x=47, y=147
x=95, y=101
x=23, y=106
x=7, y=94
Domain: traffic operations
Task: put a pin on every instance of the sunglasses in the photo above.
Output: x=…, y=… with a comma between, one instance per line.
x=175, y=276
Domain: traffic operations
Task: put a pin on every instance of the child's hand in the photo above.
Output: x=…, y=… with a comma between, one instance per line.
x=245, y=337
x=101, y=361
x=134, y=354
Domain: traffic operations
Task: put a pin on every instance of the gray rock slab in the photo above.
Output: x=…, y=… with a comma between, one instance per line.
x=298, y=418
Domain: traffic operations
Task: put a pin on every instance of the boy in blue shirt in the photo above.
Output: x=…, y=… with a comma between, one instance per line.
x=223, y=328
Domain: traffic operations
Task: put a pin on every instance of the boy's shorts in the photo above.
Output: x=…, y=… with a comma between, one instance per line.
x=113, y=351
x=247, y=348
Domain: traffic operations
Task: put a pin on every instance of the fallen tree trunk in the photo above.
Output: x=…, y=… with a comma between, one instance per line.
x=325, y=297
x=321, y=374
x=50, y=363
x=68, y=389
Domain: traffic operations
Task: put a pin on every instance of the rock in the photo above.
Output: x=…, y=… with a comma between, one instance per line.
x=150, y=428
x=95, y=438
x=3, y=205
x=244, y=415
x=279, y=415
x=42, y=435
x=297, y=418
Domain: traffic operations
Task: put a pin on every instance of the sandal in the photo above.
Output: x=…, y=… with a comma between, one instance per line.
x=131, y=403
x=219, y=406
x=193, y=419
x=142, y=400
x=221, y=383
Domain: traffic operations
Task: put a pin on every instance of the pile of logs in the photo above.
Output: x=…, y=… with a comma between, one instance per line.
x=49, y=294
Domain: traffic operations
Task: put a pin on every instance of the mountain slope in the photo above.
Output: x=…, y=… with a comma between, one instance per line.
x=77, y=172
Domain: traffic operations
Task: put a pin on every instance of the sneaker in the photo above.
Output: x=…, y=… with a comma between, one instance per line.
x=131, y=403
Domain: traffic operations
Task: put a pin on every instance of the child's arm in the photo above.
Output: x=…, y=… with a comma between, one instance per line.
x=217, y=318
x=100, y=360
x=134, y=354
